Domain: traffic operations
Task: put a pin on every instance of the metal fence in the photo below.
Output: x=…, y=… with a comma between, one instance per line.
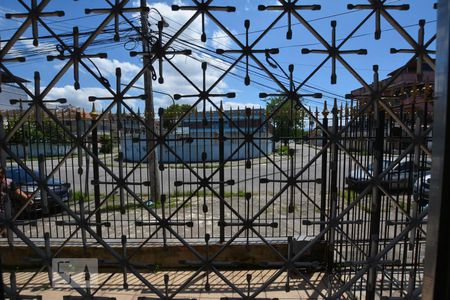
x=352, y=178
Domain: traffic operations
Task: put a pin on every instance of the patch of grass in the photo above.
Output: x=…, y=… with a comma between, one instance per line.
x=216, y=165
x=283, y=150
x=236, y=194
x=403, y=204
x=360, y=153
x=365, y=208
x=203, y=193
x=173, y=201
x=130, y=205
x=77, y=196
x=348, y=195
x=116, y=207
x=196, y=166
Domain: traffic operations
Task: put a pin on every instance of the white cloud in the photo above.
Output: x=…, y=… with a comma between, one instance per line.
x=79, y=98
x=26, y=47
x=108, y=68
x=247, y=5
x=174, y=82
x=220, y=40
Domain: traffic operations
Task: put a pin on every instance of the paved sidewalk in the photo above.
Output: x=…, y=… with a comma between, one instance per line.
x=300, y=289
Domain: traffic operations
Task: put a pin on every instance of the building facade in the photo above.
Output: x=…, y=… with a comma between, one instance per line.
x=196, y=138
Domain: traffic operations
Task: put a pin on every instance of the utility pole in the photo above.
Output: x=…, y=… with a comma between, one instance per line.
x=153, y=174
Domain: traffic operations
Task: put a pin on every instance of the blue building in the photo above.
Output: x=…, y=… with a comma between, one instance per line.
x=246, y=133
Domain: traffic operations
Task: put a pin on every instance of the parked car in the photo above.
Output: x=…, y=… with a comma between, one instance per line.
x=422, y=189
x=26, y=183
x=399, y=178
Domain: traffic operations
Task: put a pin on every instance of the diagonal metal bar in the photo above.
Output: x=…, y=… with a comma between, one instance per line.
x=377, y=7
x=335, y=52
x=380, y=255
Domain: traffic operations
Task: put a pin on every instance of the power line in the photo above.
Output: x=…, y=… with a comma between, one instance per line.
x=355, y=36
x=213, y=54
x=308, y=85
x=296, y=24
x=259, y=74
x=284, y=26
x=264, y=75
x=70, y=34
x=203, y=50
x=48, y=22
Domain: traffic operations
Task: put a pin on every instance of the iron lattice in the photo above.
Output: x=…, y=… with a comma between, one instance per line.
x=374, y=239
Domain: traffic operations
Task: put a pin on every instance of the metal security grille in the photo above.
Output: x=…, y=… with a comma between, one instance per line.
x=121, y=181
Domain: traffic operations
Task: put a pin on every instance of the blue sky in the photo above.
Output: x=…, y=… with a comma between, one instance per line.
x=290, y=50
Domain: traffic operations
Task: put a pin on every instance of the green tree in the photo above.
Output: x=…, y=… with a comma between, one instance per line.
x=288, y=119
x=173, y=113
x=106, y=143
x=30, y=132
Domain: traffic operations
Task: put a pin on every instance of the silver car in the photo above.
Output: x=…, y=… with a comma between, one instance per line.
x=399, y=178
x=422, y=189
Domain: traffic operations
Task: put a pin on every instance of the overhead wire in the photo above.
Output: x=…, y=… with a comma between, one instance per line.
x=212, y=53
x=50, y=22
x=309, y=85
x=285, y=26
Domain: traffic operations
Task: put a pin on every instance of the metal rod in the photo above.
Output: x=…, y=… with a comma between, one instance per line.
x=375, y=210
x=96, y=174
x=221, y=174
x=334, y=151
x=323, y=186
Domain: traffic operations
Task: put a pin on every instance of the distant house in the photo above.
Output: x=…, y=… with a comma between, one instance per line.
x=236, y=122
x=193, y=137
x=10, y=90
x=76, y=118
x=409, y=96
x=411, y=92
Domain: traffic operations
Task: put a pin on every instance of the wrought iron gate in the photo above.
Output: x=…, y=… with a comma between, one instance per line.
x=221, y=177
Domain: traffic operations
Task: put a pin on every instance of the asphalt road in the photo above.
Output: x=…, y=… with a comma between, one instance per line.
x=265, y=203
x=274, y=167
